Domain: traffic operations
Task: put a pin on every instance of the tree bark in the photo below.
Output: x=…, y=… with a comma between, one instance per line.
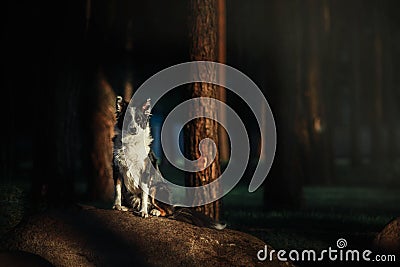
x=100, y=112
x=203, y=37
x=221, y=39
x=102, y=120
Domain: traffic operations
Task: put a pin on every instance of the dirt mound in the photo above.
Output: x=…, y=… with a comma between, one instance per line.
x=389, y=238
x=96, y=237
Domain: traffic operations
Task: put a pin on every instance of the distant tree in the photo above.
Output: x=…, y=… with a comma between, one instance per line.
x=391, y=103
x=57, y=100
x=7, y=150
x=355, y=116
x=376, y=114
x=203, y=36
x=283, y=187
x=320, y=158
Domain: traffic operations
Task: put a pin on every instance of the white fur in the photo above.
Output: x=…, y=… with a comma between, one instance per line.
x=145, y=207
x=131, y=156
x=118, y=195
x=155, y=212
x=118, y=199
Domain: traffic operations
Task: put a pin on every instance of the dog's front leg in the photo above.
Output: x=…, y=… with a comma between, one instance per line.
x=145, y=199
x=118, y=196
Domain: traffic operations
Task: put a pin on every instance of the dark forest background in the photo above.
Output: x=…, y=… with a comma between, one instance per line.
x=329, y=70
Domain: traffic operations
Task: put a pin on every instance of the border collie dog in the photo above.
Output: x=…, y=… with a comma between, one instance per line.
x=131, y=162
x=136, y=182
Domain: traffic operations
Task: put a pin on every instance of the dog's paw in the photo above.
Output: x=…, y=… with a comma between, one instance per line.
x=144, y=214
x=155, y=212
x=120, y=208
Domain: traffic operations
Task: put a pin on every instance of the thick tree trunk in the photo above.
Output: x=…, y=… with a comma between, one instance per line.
x=221, y=40
x=60, y=83
x=102, y=120
x=99, y=102
x=203, y=47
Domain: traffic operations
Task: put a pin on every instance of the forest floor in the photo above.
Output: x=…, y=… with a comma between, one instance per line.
x=356, y=214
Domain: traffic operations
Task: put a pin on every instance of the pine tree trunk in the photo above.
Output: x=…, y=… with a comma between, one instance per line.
x=378, y=152
x=203, y=47
x=221, y=39
x=355, y=155
x=99, y=100
x=317, y=124
x=101, y=133
x=283, y=187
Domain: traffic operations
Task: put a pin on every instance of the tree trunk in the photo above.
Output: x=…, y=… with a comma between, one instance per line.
x=355, y=155
x=8, y=155
x=55, y=140
x=99, y=102
x=100, y=185
x=317, y=123
x=378, y=152
x=221, y=39
x=391, y=111
x=327, y=94
x=283, y=187
x=203, y=47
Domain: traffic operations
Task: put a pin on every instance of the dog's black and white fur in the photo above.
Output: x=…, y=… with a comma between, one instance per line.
x=131, y=162
x=134, y=178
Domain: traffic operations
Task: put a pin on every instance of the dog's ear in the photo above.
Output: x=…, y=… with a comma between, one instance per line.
x=119, y=104
x=146, y=107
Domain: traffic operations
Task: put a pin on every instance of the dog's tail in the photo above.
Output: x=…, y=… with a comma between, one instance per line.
x=186, y=215
x=196, y=218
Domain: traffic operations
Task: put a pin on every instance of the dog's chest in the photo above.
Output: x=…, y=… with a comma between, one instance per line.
x=130, y=155
x=136, y=148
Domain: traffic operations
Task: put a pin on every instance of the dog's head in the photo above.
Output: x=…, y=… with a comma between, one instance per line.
x=138, y=117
